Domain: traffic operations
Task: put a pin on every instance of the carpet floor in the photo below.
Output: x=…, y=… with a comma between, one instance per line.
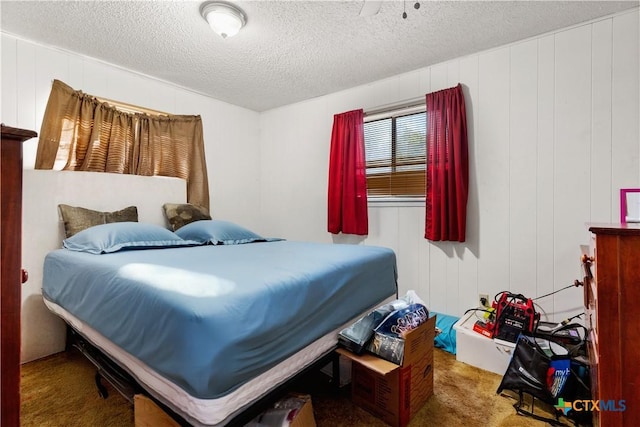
x=60, y=391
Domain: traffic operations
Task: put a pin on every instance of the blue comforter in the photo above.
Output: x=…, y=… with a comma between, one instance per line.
x=210, y=318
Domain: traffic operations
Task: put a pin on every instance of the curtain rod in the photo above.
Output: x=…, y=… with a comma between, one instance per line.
x=131, y=107
x=408, y=103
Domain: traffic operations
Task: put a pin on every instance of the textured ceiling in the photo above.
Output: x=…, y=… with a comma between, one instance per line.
x=290, y=50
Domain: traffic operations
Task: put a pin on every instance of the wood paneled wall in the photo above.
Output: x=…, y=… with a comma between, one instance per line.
x=553, y=131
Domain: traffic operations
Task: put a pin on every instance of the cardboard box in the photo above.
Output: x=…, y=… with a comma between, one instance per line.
x=148, y=414
x=477, y=350
x=305, y=417
x=394, y=393
x=277, y=417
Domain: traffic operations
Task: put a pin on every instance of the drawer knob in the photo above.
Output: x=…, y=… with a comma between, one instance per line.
x=24, y=276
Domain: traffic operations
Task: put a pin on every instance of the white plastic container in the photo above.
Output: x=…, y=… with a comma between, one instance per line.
x=477, y=350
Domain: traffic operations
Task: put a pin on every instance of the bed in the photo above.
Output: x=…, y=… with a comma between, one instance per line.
x=209, y=329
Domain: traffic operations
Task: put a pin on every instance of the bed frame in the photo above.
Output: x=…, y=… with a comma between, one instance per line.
x=125, y=384
x=124, y=381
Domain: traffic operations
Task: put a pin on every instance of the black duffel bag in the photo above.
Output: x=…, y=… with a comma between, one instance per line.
x=555, y=374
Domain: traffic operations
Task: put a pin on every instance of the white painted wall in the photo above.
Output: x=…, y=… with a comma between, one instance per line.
x=230, y=132
x=553, y=134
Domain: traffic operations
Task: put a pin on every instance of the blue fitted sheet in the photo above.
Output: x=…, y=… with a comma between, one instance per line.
x=210, y=318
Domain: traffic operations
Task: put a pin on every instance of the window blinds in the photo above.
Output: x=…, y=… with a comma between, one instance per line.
x=395, y=147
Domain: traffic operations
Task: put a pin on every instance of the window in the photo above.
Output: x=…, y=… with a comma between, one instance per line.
x=395, y=147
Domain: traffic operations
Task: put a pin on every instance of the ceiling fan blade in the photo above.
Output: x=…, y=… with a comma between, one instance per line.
x=370, y=7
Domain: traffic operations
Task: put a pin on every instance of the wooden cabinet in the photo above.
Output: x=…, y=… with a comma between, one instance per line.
x=612, y=297
x=12, y=273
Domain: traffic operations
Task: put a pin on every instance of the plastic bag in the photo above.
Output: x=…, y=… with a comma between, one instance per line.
x=356, y=337
x=388, y=340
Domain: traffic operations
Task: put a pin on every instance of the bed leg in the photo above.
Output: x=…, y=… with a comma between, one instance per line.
x=335, y=365
x=102, y=390
x=69, y=338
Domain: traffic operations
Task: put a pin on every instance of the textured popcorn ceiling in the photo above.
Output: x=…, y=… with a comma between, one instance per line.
x=290, y=50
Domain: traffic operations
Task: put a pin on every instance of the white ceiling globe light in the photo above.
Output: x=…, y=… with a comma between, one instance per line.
x=224, y=18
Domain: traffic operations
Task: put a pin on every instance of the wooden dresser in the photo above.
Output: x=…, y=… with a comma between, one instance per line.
x=612, y=302
x=12, y=273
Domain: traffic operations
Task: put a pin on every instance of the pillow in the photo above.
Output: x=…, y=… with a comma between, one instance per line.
x=77, y=219
x=181, y=214
x=113, y=237
x=219, y=233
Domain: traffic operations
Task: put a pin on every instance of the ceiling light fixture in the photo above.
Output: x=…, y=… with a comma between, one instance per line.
x=224, y=18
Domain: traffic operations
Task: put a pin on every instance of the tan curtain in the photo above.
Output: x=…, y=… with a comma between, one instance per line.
x=82, y=133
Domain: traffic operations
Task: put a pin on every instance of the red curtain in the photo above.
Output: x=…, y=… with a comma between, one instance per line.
x=347, y=198
x=447, y=166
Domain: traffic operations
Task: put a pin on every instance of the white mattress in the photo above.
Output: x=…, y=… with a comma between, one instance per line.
x=207, y=412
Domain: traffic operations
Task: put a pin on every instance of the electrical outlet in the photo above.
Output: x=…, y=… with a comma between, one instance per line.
x=483, y=300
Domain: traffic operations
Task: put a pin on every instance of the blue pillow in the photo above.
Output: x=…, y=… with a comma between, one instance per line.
x=113, y=237
x=219, y=232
